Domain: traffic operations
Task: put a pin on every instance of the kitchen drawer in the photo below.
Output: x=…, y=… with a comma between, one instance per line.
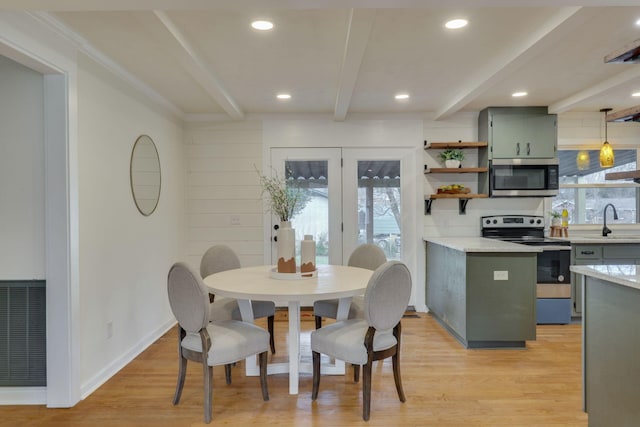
x=588, y=252
x=553, y=311
x=553, y=290
x=621, y=251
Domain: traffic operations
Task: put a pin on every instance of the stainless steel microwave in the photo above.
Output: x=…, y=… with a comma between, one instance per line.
x=523, y=177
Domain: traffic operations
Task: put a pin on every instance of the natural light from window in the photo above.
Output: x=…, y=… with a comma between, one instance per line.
x=584, y=192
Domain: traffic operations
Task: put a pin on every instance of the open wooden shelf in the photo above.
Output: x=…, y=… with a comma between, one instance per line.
x=458, y=196
x=455, y=170
x=462, y=198
x=459, y=144
x=634, y=175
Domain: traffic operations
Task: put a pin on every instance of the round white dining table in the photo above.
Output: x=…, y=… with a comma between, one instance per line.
x=257, y=283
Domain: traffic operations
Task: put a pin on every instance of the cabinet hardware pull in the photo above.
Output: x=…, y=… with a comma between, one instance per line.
x=528, y=148
x=587, y=252
x=518, y=148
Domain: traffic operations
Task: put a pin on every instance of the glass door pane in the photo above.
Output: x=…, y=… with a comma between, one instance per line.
x=375, y=210
x=316, y=172
x=379, y=205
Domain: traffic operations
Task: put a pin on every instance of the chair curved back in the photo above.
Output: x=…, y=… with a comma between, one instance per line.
x=387, y=295
x=188, y=297
x=218, y=258
x=367, y=256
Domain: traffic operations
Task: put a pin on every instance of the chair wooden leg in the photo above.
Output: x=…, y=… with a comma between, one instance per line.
x=366, y=391
x=182, y=373
x=208, y=392
x=395, y=360
x=272, y=340
x=227, y=373
x=263, y=375
x=316, y=375
x=356, y=373
x=318, y=322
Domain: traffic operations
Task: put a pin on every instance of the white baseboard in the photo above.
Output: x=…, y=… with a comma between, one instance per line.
x=104, y=375
x=23, y=395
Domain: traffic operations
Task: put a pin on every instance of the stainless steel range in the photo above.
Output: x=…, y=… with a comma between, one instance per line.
x=554, y=279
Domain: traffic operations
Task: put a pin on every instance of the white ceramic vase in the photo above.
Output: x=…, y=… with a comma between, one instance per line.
x=307, y=254
x=286, y=248
x=452, y=163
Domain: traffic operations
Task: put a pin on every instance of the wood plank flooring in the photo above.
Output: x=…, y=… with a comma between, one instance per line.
x=445, y=385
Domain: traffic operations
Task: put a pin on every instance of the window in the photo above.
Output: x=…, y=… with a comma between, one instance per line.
x=584, y=192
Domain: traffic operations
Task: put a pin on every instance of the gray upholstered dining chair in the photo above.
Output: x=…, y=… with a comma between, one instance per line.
x=210, y=343
x=376, y=337
x=367, y=256
x=220, y=258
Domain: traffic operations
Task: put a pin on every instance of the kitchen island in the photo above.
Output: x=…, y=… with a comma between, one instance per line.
x=483, y=291
x=610, y=343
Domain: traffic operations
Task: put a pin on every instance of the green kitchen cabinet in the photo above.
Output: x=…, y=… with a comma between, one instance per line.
x=599, y=254
x=519, y=132
x=484, y=299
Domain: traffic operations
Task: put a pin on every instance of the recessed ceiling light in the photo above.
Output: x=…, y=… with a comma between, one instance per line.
x=402, y=96
x=262, y=25
x=635, y=94
x=519, y=94
x=283, y=96
x=638, y=22
x=456, y=23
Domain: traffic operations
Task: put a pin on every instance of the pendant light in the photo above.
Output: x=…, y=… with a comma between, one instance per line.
x=583, y=160
x=606, y=152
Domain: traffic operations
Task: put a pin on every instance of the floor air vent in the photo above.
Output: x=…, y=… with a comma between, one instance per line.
x=23, y=357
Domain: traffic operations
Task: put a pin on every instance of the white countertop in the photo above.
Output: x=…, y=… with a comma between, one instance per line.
x=612, y=238
x=480, y=244
x=626, y=275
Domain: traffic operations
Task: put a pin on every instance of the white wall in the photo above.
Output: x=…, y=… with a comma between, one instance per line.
x=124, y=256
x=221, y=183
x=22, y=239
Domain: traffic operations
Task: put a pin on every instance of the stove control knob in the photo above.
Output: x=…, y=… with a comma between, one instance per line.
x=488, y=221
x=495, y=221
x=531, y=221
x=539, y=221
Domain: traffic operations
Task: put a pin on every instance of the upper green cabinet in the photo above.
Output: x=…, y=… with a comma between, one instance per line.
x=518, y=132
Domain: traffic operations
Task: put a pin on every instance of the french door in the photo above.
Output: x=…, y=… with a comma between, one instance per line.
x=345, y=206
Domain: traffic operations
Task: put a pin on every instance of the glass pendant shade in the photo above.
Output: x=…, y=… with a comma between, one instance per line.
x=583, y=160
x=606, y=155
x=606, y=151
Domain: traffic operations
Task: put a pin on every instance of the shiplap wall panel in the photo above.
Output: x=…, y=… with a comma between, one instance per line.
x=206, y=219
x=217, y=164
x=223, y=191
x=223, y=187
x=228, y=177
x=230, y=206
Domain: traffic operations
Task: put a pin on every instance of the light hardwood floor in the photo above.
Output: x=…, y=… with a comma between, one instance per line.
x=445, y=385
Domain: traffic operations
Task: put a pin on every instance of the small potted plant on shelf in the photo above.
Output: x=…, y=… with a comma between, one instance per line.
x=556, y=218
x=451, y=157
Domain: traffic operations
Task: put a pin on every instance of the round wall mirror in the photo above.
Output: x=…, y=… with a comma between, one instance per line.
x=145, y=175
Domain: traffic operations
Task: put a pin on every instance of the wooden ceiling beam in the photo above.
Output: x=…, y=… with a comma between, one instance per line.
x=502, y=66
x=197, y=67
x=360, y=23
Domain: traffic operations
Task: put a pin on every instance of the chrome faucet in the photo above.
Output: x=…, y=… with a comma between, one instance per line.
x=605, y=229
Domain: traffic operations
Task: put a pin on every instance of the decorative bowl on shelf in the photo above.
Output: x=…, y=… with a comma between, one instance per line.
x=453, y=189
